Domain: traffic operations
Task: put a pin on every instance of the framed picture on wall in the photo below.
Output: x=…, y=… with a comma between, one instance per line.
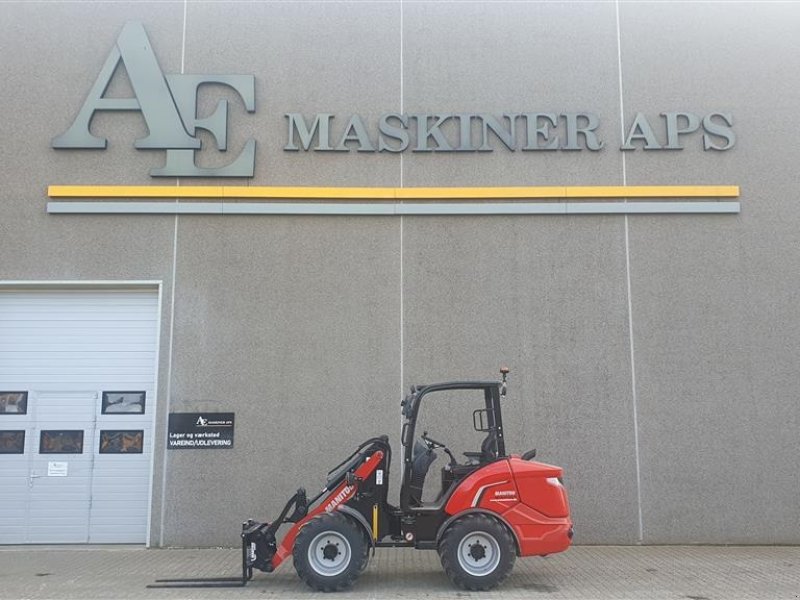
x=123, y=403
x=13, y=403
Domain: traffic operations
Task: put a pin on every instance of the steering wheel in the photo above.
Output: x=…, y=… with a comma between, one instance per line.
x=433, y=445
x=430, y=442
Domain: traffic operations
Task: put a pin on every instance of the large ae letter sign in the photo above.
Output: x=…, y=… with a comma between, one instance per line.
x=169, y=108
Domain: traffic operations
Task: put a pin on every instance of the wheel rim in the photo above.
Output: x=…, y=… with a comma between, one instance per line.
x=329, y=553
x=478, y=553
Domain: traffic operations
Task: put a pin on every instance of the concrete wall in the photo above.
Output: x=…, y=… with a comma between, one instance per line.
x=681, y=429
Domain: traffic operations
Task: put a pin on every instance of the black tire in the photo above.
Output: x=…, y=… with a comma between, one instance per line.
x=330, y=552
x=477, y=552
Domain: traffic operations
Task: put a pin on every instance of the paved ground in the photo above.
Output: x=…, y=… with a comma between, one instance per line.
x=587, y=572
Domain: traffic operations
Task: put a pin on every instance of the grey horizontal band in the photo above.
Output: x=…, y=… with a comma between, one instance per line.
x=393, y=208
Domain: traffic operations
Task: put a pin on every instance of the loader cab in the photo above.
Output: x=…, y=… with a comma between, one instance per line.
x=421, y=446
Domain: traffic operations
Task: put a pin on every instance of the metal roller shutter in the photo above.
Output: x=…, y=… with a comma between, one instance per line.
x=77, y=398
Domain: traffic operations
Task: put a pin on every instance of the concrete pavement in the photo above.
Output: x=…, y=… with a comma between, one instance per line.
x=584, y=572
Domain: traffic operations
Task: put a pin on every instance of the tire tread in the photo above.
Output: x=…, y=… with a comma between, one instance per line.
x=448, y=550
x=307, y=533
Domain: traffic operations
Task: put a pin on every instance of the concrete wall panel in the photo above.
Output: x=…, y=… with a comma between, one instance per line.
x=534, y=293
x=309, y=58
x=511, y=58
x=49, y=69
x=293, y=323
x=715, y=327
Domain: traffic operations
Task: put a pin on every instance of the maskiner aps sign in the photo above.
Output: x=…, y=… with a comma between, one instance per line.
x=168, y=105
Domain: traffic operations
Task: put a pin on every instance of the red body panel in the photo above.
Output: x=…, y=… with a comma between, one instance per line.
x=540, y=488
x=478, y=490
x=527, y=495
x=538, y=535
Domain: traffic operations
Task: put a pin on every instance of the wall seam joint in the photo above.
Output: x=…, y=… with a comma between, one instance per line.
x=629, y=294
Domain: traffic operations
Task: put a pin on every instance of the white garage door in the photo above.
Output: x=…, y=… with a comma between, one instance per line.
x=77, y=395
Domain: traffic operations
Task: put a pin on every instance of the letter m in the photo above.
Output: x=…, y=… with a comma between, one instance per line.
x=320, y=127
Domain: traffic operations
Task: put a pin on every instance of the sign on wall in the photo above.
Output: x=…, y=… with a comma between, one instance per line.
x=168, y=104
x=200, y=431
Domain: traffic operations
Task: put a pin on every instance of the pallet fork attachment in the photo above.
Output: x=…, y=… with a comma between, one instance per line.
x=254, y=535
x=211, y=582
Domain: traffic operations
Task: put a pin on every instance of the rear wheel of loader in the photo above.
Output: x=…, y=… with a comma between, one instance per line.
x=477, y=552
x=330, y=552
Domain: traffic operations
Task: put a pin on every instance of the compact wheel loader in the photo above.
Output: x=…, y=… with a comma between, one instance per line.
x=491, y=508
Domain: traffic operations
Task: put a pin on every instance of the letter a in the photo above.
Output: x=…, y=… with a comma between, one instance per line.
x=151, y=96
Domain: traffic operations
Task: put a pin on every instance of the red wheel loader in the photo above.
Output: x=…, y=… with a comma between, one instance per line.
x=491, y=508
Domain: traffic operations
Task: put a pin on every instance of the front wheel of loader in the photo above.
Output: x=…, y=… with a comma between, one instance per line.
x=330, y=552
x=477, y=552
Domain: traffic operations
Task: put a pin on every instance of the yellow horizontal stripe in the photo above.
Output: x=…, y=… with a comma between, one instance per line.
x=313, y=193
x=393, y=193
x=489, y=193
x=653, y=191
x=134, y=191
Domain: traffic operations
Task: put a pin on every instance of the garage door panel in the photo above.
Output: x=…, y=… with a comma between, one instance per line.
x=105, y=487
x=13, y=530
x=67, y=347
x=63, y=535
x=43, y=335
x=13, y=474
x=104, y=484
x=41, y=381
x=95, y=316
x=116, y=537
x=68, y=359
x=117, y=494
x=69, y=372
x=47, y=493
x=75, y=518
x=61, y=340
x=106, y=518
x=14, y=495
x=112, y=535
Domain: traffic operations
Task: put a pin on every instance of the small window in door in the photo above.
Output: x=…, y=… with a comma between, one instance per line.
x=12, y=442
x=60, y=441
x=121, y=442
x=13, y=403
x=123, y=403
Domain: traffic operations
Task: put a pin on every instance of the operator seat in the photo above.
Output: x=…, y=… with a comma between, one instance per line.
x=453, y=474
x=488, y=451
x=489, y=448
x=421, y=461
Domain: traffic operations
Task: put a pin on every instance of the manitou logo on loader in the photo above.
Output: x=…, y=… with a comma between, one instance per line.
x=331, y=506
x=478, y=535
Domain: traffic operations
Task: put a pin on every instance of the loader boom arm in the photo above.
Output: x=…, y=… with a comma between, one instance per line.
x=339, y=496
